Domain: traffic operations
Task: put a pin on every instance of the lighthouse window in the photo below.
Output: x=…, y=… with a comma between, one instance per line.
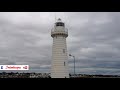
x=63, y=50
x=59, y=24
x=64, y=63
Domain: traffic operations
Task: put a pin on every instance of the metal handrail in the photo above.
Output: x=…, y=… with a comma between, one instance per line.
x=66, y=30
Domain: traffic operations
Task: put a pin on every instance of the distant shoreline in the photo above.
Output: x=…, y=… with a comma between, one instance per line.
x=48, y=75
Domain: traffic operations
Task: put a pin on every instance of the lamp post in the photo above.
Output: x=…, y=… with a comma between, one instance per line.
x=74, y=62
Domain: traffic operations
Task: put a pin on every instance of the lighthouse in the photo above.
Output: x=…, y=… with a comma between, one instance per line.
x=59, y=67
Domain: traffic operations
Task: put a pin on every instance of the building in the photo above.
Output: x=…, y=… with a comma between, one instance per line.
x=59, y=67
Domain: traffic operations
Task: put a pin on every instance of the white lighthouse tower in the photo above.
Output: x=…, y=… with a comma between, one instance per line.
x=59, y=67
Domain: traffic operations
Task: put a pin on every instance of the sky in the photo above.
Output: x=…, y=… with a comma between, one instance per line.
x=94, y=40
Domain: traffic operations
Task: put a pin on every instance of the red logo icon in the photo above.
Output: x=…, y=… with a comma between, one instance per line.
x=25, y=67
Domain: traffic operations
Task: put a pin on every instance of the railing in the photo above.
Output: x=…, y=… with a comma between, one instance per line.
x=58, y=31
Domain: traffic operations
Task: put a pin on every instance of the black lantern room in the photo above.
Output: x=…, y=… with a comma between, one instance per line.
x=60, y=23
